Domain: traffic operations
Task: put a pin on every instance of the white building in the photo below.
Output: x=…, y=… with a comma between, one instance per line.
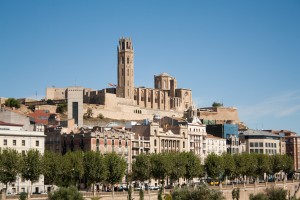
x=13, y=136
x=215, y=145
x=197, y=138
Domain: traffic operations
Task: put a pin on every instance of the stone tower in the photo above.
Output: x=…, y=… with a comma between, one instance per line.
x=125, y=86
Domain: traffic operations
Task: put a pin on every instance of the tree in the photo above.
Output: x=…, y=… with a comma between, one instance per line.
x=31, y=167
x=89, y=113
x=216, y=104
x=246, y=164
x=94, y=168
x=62, y=108
x=179, y=165
x=12, y=102
x=63, y=193
x=72, y=168
x=193, y=167
x=51, y=169
x=214, y=166
x=116, y=167
x=9, y=166
x=141, y=168
x=229, y=166
x=263, y=164
x=160, y=167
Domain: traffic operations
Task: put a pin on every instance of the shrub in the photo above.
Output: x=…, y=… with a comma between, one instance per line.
x=12, y=102
x=100, y=116
x=23, y=196
x=70, y=193
x=201, y=193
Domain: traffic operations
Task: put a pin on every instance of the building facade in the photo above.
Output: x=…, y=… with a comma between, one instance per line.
x=215, y=145
x=261, y=142
x=13, y=136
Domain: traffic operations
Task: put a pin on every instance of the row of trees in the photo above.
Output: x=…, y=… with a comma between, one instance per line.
x=172, y=166
x=62, y=170
x=92, y=167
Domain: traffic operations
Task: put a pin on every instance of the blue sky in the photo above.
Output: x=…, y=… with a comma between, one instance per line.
x=245, y=54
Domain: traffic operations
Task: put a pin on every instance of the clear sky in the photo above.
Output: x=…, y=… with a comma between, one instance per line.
x=245, y=54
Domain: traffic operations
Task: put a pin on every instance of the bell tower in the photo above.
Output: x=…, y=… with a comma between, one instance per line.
x=125, y=70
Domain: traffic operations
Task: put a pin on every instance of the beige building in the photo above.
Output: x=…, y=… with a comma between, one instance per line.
x=215, y=145
x=15, y=137
x=262, y=142
x=125, y=101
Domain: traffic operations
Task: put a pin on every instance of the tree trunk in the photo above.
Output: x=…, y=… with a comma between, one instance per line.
x=113, y=193
x=93, y=189
x=4, y=193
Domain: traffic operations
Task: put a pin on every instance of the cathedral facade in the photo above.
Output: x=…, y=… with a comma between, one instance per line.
x=125, y=101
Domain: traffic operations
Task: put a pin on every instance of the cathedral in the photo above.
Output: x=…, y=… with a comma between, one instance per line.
x=125, y=101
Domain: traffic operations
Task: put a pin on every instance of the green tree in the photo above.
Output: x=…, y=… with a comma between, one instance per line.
x=51, y=169
x=9, y=166
x=259, y=196
x=229, y=166
x=246, y=164
x=63, y=193
x=160, y=167
x=31, y=167
x=216, y=104
x=193, y=167
x=263, y=164
x=94, y=168
x=214, y=166
x=89, y=113
x=62, y=108
x=178, y=166
x=72, y=168
x=12, y=102
x=116, y=166
x=141, y=169
x=288, y=165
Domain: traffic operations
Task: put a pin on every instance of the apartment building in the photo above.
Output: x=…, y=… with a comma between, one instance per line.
x=15, y=137
x=215, y=145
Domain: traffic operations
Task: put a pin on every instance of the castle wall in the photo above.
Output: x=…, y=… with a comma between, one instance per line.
x=55, y=93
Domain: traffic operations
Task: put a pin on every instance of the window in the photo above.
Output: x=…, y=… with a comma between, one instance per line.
x=5, y=142
x=37, y=143
x=113, y=141
x=14, y=142
x=127, y=60
x=120, y=142
x=261, y=144
x=105, y=140
x=23, y=153
x=251, y=144
x=23, y=142
x=155, y=142
x=183, y=145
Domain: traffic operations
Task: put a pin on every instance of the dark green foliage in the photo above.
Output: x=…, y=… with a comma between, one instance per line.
x=100, y=116
x=141, y=168
x=63, y=193
x=31, y=167
x=51, y=166
x=72, y=168
x=89, y=114
x=61, y=108
x=9, y=165
x=229, y=165
x=193, y=167
x=32, y=108
x=200, y=193
x=271, y=194
x=50, y=102
x=12, y=102
x=160, y=166
x=216, y=104
x=214, y=166
x=116, y=167
x=94, y=167
x=235, y=194
x=23, y=196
